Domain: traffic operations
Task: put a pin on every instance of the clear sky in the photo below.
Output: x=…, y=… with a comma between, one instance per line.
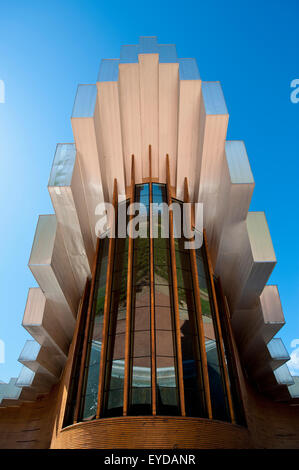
x=48, y=47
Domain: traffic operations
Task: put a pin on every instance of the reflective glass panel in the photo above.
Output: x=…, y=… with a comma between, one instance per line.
x=92, y=365
x=215, y=366
x=115, y=358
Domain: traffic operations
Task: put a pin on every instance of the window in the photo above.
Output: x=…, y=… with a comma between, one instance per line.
x=155, y=310
x=95, y=336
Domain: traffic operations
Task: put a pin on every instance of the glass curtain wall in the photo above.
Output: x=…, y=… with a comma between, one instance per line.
x=95, y=337
x=218, y=393
x=115, y=359
x=192, y=367
x=230, y=359
x=69, y=414
x=160, y=303
x=140, y=353
x=166, y=363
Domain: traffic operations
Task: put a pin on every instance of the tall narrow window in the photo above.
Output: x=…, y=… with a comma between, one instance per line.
x=72, y=390
x=230, y=360
x=115, y=359
x=166, y=370
x=192, y=367
x=95, y=337
x=218, y=392
x=140, y=354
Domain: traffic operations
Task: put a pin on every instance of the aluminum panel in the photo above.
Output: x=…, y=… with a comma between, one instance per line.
x=63, y=165
x=259, y=237
x=108, y=70
x=25, y=378
x=238, y=163
x=168, y=119
x=148, y=45
x=190, y=118
x=44, y=239
x=283, y=376
x=277, y=349
x=128, y=54
x=30, y=351
x=167, y=53
x=39, y=359
x=68, y=199
x=40, y=321
x=213, y=98
x=9, y=390
x=85, y=101
x=271, y=306
x=188, y=69
x=51, y=268
x=234, y=197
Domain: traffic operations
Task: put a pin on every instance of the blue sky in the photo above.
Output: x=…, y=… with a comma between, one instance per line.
x=47, y=48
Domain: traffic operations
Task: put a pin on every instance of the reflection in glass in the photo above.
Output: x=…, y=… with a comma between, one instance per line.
x=88, y=406
x=192, y=370
x=115, y=359
x=140, y=356
x=69, y=414
x=215, y=368
x=230, y=360
x=166, y=370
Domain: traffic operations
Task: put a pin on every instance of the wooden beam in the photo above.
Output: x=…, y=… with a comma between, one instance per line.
x=129, y=300
x=201, y=333
x=175, y=295
x=220, y=338
x=150, y=161
x=86, y=335
x=107, y=304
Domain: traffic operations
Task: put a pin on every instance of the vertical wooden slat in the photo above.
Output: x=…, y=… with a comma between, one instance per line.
x=86, y=334
x=201, y=333
x=225, y=372
x=152, y=287
x=107, y=305
x=150, y=162
x=175, y=295
x=129, y=301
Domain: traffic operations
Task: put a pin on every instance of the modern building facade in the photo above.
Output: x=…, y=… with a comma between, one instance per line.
x=151, y=341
